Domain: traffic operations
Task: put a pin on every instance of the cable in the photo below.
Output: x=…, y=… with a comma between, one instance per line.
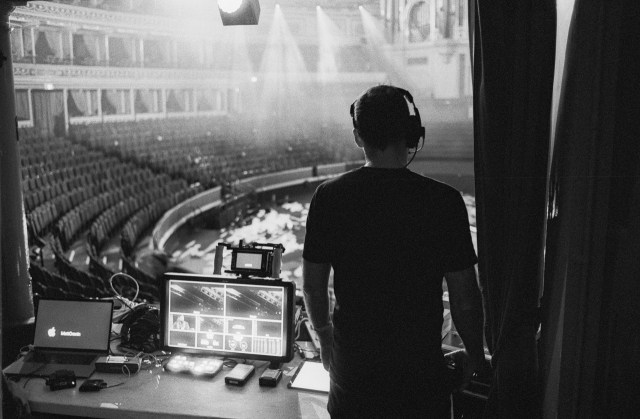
x=24, y=350
x=126, y=371
x=414, y=153
x=125, y=301
x=29, y=379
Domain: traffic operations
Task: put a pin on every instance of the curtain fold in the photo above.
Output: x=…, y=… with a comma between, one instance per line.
x=53, y=39
x=91, y=46
x=79, y=98
x=43, y=49
x=48, y=109
x=175, y=101
x=22, y=104
x=591, y=332
x=16, y=43
x=120, y=51
x=72, y=107
x=81, y=51
x=141, y=102
x=513, y=62
x=108, y=103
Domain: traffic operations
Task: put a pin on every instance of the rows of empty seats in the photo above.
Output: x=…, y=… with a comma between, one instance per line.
x=49, y=284
x=145, y=218
x=211, y=151
x=67, y=187
x=113, y=217
x=105, y=226
x=117, y=179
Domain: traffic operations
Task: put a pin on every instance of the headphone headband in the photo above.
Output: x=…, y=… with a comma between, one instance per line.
x=415, y=129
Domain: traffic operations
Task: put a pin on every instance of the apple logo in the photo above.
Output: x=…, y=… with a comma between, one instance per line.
x=52, y=332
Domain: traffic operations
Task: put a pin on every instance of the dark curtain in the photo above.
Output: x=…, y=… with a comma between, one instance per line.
x=173, y=105
x=139, y=105
x=513, y=63
x=80, y=50
x=43, y=49
x=591, y=331
x=22, y=105
x=118, y=54
x=108, y=108
x=72, y=107
x=48, y=112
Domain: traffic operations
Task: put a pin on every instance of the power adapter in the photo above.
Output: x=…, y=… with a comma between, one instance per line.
x=61, y=379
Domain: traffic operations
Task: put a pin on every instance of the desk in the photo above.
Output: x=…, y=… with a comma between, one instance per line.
x=154, y=393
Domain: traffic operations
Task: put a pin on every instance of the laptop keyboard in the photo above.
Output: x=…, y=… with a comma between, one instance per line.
x=69, y=359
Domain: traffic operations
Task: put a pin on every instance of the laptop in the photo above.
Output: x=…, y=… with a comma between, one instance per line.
x=69, y=335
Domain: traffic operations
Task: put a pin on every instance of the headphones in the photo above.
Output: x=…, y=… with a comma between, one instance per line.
x=140, y=328
x=415, y=129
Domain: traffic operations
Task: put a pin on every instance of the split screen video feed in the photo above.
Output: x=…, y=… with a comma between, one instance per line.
x=226, y=317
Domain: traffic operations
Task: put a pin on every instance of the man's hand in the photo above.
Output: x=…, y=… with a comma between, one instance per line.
x=326, y=345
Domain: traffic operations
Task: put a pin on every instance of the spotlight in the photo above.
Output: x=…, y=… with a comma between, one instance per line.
x=229, y=6
x=239, y=12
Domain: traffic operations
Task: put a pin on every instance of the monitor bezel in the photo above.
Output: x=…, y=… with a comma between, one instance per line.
x=288, y=308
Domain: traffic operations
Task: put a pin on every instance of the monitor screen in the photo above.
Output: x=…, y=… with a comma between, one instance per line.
x=250, y=318
x=246, y=260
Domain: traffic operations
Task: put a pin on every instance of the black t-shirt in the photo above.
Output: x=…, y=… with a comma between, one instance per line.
x=390, y=235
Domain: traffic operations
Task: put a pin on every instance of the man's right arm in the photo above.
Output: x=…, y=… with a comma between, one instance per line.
x=316, y=298
x=465, y=301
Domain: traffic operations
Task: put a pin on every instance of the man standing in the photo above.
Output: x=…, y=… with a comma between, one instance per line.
x=390, y=236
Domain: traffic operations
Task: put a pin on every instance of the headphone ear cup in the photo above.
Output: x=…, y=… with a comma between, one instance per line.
x=353, y=115
x=415, y=132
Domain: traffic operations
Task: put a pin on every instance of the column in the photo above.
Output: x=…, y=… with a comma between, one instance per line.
x=433, y=30
x=17, y=306
x=141, y=53
x=107, y=59
x=71, y=58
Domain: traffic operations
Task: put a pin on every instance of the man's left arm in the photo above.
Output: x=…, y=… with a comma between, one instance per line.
x=316, y=298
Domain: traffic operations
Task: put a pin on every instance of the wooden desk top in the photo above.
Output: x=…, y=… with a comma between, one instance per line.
x=155, y=393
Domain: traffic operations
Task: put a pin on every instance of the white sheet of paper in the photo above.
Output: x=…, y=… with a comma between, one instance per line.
x=312, y=376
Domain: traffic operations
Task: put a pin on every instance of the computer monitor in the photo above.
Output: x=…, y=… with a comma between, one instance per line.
x=228, y=316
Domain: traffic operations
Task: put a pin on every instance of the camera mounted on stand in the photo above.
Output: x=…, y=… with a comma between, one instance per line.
x=262, y=260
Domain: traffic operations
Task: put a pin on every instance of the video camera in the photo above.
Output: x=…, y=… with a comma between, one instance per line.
x=255, y=259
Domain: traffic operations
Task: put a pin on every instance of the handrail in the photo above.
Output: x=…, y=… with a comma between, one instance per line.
x=212, y=198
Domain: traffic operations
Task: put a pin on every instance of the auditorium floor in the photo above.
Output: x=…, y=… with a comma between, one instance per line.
x=192, y=248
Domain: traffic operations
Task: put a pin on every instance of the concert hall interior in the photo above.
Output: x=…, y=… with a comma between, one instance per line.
x=137, y=135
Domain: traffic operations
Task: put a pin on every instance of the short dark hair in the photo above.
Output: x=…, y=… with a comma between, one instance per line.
x=381, y=115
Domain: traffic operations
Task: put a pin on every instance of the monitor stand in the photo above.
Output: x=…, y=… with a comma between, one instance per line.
x=275, y=365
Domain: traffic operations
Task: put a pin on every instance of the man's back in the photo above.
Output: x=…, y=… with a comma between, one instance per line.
x=390, y=235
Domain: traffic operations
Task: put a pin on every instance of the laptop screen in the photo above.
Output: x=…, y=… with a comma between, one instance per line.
x=73, y=324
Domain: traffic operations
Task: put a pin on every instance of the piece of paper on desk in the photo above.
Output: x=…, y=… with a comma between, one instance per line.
x=311, y=376
x=313, y=406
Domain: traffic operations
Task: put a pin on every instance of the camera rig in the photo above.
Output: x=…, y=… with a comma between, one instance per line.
x=254, y=259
